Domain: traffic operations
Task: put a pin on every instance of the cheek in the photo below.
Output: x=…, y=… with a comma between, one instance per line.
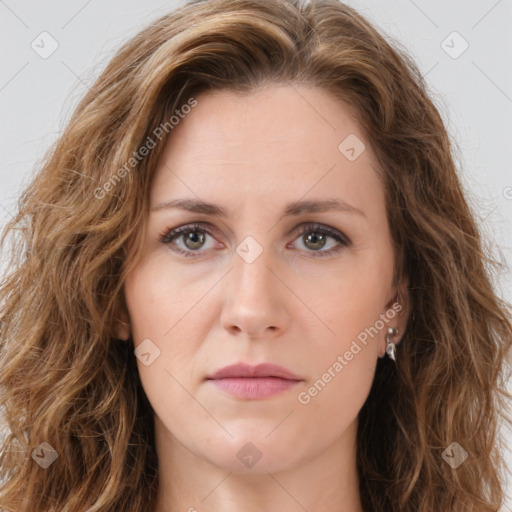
x=345, y=356
x=167, y=326
x=158, y=299
x=329, y=403
x=332, y=401
x=352, y=304
x=344, y=373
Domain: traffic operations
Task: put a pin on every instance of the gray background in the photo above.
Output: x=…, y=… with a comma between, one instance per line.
x=473, y=89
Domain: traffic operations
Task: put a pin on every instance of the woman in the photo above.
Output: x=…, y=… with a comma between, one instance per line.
x=247, y=278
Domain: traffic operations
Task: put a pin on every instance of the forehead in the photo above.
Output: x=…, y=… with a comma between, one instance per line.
x=280, y=140
x=283, y=115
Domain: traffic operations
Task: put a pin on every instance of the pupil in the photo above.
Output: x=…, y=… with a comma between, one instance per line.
x=195, y=238
x=314, y=239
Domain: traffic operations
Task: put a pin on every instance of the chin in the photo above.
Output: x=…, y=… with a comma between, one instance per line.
x=252, y=454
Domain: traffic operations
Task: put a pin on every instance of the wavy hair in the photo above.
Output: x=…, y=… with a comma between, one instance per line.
x=66, y=380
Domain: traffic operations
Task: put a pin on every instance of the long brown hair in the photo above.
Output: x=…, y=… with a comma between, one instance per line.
x=67, y=381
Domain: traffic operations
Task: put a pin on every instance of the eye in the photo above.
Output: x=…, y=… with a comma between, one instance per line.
x=314, y=236
x=194, y=236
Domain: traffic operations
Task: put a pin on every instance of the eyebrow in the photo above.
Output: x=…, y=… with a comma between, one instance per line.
x=292, y=209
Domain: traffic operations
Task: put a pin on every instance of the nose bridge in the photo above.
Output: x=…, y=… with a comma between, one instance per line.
x=251, y=273
x=253, y=301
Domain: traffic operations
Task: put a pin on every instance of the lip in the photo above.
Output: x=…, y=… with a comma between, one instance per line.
x=260, y=370
x=253, y=382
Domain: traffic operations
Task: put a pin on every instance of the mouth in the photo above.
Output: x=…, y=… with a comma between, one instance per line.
x=253, y=388
x=253, y=382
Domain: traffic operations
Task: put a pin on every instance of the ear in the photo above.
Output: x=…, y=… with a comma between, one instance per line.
x=397, y=312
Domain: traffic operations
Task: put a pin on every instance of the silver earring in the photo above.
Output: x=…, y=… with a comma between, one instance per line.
x=390, y=347
x=127, y=325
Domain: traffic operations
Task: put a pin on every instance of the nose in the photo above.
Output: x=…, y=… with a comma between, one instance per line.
x=254, y=302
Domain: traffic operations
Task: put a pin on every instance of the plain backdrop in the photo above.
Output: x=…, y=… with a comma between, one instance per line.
x=462, y=47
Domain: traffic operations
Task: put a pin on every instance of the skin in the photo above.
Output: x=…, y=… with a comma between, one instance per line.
x=253, y=154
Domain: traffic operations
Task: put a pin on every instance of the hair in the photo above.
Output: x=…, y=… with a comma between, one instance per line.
x=66, y=379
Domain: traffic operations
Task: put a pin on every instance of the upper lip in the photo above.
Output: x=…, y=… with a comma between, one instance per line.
x=260, y=370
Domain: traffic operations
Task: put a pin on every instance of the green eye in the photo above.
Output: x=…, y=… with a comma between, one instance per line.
x=193, y=237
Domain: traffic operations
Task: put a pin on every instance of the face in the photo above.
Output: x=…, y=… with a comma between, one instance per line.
x=266, y=280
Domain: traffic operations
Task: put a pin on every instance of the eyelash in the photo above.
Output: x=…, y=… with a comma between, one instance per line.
x=169, y=235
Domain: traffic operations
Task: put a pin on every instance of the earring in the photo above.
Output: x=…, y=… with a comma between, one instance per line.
x=390, y=347
x=127, y=325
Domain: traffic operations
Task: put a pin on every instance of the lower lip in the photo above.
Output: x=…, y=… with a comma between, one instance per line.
x=254, y=388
